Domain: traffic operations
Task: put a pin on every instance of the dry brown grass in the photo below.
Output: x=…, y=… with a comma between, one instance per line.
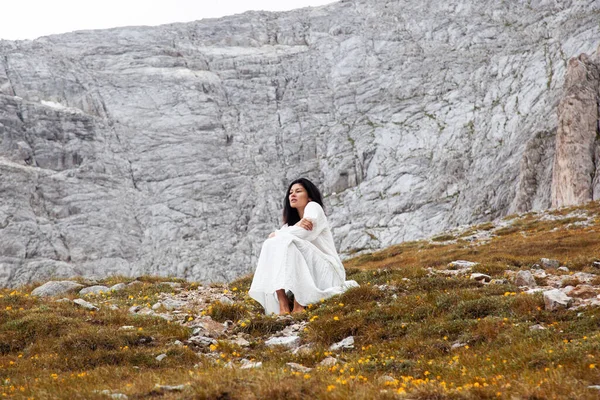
x=418, y=335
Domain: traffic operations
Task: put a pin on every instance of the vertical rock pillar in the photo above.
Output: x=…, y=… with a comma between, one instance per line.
x=574, y=169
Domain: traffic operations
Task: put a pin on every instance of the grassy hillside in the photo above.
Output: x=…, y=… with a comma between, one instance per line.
x=422, y=330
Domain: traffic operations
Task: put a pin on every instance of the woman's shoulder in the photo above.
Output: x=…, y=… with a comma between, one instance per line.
x=315, y=207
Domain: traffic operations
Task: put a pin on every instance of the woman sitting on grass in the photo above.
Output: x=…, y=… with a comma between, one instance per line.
x=299, y=257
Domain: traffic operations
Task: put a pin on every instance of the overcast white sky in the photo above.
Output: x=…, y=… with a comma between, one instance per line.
x=30, y=19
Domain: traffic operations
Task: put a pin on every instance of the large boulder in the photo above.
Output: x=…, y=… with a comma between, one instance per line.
x=555, y=299
x=55, y=288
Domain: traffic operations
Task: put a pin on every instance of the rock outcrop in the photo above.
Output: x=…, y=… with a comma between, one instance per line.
x=576, y=172
x=166, y=150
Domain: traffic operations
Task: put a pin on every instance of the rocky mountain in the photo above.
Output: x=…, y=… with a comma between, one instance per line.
x=167, y=150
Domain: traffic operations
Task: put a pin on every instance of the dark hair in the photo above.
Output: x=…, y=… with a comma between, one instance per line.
x=290, y=215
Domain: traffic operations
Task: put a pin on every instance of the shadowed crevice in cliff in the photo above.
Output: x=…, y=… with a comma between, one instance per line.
x=533, y=189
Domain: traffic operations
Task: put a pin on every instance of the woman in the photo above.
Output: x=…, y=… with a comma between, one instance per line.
x=299, y=257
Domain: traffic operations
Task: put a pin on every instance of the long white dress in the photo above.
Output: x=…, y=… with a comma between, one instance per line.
x=301, y=261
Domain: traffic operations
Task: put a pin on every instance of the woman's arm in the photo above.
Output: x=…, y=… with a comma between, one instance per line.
x=313, y=216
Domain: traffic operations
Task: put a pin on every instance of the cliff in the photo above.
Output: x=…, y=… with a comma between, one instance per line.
x=167, y=150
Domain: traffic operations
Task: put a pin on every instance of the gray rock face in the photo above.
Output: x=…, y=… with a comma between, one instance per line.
x=167, y=150
x=575, y=176
x=55, y=288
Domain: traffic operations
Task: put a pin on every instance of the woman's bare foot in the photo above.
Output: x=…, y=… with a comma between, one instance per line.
x=284, y=306
x=297, y=307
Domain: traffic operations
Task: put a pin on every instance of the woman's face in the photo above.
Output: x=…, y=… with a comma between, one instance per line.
x=298, y=196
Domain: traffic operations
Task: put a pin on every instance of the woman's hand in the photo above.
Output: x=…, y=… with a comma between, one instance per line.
x=305, y=224
x=271, y=235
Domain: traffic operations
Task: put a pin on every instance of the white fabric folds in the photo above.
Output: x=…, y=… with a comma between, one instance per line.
x=301, y=261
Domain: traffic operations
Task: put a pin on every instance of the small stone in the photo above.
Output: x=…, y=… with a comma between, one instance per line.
x=144, y=340
x=178, y=343
x=597, y=387
x=134, y=309
x=481, y=277
x=110, y=394
x=524, y=278
x=303, y=350
x=298, y=367
x=498, y=282
x=247, y=364
x=63, y=300
x=98, y=289
x=156, y=306
x=146, y=311
x=117, y=287
x=113, y=307
x=161, y=357
x=227, y=324
x=85, y=304
x=172, y=304
x=536, y=327
x=548, y=263
x=385, y=378
x=555, y=299
x=596, y=264
x=241, y=342
x=290, y=341
x=208, y=327
x=533, y=291
x=462, y=264
x=225, y=300
x=168, y=388
x=134, y=283
x=293, y=329
x=457, y=345
x=564, y=269
x=539, y=273
x=328, y=362
x=174, y=285
x=201, y=340
x=347, y=343
x=55, y=288
x=127, y=328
